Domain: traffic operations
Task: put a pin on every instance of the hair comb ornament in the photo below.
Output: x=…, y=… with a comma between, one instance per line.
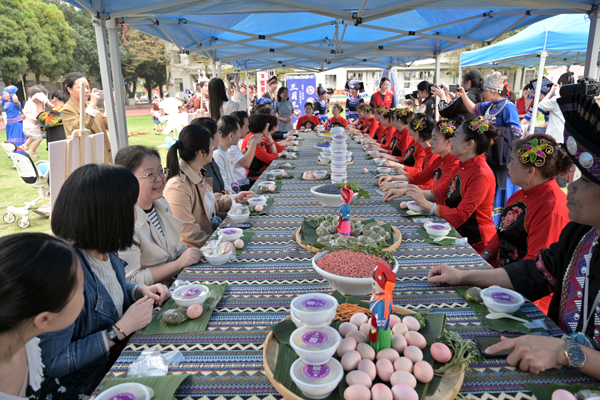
x=381, y=109
x=419, y=124
x=479, y=125
x=448, y=128
x=535, y=152
x=368, y=109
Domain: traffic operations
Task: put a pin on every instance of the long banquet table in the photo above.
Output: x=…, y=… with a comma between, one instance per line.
x=225, y=361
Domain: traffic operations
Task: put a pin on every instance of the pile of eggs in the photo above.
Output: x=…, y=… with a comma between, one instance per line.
x=402, y=365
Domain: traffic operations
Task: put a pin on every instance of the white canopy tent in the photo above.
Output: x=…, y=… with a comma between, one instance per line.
x=307, y=35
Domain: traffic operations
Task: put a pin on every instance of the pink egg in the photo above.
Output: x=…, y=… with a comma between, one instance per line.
x=194, y=311
x=284, y=174
x=365, y=171
x=385, y=369
x=287, y=165
x=412, y=323
x=357, y=392
x=404, y=392
x=403, y=377
x=350, y=360
x=259, y=208
x=423, y=371
x=403, y=364
x=413, y=353
x=403, y=205
x=271, y=188
x=368, y=366
x=440, y=352
x=394, y=319
x=399, y=329
x=415, y=339
x=358, y=378
x=390, y=354
x=562, y=394
x=399, y=343
x=379, y=391
x=358, y=336
x=239, y=244
x=365, y=328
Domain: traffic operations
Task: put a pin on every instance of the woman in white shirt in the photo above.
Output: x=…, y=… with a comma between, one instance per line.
x=41, y=284
x=219, y=94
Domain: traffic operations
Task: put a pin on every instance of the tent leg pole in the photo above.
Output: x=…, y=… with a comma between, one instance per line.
x=591, y=56
x=115, y=60
x=538, y=90
x=214, y=69
x=106, y=83
x=219, y=72
x=247, y=90
x=437, y=82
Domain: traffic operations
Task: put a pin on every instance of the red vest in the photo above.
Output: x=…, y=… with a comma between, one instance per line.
x=387, y=101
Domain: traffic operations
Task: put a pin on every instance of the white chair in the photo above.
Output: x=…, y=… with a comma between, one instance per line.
x=33, y=174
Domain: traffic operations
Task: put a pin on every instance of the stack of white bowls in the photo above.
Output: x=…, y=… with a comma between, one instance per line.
x=339, y=154
x=316, y=372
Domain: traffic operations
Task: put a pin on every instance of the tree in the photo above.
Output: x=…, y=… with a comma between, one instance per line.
x=13, y=42
x=49, y=37
x=85, y=53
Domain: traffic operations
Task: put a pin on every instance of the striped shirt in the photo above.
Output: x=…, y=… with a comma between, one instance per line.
x=155, y=219
x=108, y=277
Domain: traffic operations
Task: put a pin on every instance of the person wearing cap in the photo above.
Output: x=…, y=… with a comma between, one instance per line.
x=544, y=90
x=568, y=268
x=384, y=280
x=273, y=83
x=353, y=100
x=499, y=111
x=556, y=121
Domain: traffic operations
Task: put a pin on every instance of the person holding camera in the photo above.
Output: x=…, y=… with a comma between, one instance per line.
x=219, y=103
x=454, y=108
x=426, y=99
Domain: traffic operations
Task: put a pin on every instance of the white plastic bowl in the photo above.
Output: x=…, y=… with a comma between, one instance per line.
x=337, y=178
x=379, y=161
x=384, y=170
x=295, y=320
x=314, y=309
x=412, y=205
x=326, y=151
x=254, y=201
x=348, y=286
x=320, y=174
x=238, y=217
x=222, y=259
x=315, y=346
x=324, y=158
x=230, y=234
x=317, y=381
x=337, y=129
x=502, y=300
x=290, y=155
x=329, y=200
x=338, y=170
x=266, y=184
x=188, y=295
x=321, y=148
x=435, y=229
x=372, y=152
x=141, y=392
x=277, y=172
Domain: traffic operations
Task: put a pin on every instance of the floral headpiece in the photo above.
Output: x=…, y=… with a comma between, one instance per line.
x=381, y=109
x=448, y=128
x=479, y=125
x=419, y=124
x=368, y=109
x=535, y=151
x=402, y=112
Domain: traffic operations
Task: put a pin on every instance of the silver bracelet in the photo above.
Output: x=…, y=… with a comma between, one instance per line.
x=432, y=211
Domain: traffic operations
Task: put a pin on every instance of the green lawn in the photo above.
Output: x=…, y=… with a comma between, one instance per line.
x=15, y=192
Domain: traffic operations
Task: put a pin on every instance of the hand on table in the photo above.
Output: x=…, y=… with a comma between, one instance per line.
x=415, y=192
x=383, y=179
x=445, y=274
x=158, y=292
x=242, y=197
x=137, y=316
x=390, y=163
x=532, y=353
x=386, y=186
x=400, y=170
x=394, y=194
x=189, y=257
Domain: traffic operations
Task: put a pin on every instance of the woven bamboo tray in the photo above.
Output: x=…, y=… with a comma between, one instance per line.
x=396, y=235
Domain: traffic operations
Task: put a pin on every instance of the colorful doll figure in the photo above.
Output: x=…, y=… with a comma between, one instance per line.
x=344, y=227
x=380, y=334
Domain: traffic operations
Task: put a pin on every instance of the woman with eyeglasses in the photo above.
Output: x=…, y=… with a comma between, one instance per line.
x=157, y=253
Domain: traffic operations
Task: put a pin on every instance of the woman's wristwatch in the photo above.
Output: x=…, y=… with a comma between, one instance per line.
x=112, y=336
x=574, y=354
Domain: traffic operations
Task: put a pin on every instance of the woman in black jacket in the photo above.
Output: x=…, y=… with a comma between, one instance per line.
x=473, y=84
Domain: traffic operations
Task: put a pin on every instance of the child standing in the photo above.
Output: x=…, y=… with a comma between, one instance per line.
x=38, y=99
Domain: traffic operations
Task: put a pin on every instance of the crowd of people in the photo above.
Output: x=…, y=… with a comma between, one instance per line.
x=123, y=232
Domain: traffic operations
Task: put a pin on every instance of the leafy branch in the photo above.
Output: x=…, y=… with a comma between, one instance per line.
x=355, y=187
x=464, y=352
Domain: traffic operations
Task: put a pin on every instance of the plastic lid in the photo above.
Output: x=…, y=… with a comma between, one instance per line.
x=317, y=374
x=314, y=339
x=123, y=396
x=502, y=296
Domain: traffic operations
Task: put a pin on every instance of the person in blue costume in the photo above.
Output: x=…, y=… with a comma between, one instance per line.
x=321, y=105
x=498, y=110
x=380, y=334
x=14, y=119
x=353, y=100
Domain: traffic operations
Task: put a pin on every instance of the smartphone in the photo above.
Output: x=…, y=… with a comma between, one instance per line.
x=241, y=225
x=453, y=88
x=483, y=342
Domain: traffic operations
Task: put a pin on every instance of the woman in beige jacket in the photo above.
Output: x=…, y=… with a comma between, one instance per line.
x=189, y=192
x=157, y=254
x=94, y=120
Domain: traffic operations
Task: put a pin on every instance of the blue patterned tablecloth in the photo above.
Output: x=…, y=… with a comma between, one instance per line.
x=226, y=360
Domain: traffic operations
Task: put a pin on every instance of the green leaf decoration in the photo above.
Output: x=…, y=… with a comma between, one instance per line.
x=164, y=386
x=445, y=242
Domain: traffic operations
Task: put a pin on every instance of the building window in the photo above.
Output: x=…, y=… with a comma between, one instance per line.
x=176, y=58
x=179, y=85
x=330, y=81
x=406, y=85
x=529, y=76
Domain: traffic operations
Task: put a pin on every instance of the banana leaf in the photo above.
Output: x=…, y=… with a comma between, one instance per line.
x=544, y=392
x=159, y=327
x=246, y=237
x=277, y=188
x=164, y=386
x=444, y=242
x=266, y=208
x=404, y=211
x=282, y=166
x=498, y=325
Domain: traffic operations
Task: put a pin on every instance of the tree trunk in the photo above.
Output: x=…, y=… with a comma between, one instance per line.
x=37, y=79
x=133, y=89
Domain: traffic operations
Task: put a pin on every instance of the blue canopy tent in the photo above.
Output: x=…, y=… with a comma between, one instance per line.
x=309, y=35
x=560, y=40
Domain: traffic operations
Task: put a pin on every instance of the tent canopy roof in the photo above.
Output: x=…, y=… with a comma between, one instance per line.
x=564, y=37
x=318, y=36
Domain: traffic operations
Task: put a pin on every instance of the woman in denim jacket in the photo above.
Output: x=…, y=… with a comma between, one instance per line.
x=95, y=212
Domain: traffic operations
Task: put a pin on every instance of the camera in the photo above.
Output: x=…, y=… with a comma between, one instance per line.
x=413, y=95
x=231, y=77
x=586, y=86
x=453, y=88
